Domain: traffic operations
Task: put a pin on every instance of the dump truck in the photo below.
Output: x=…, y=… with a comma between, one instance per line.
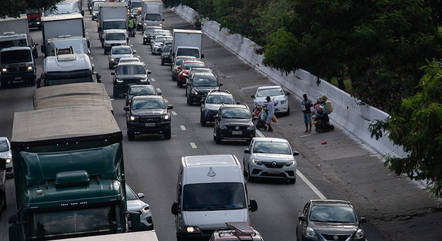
x=69, y=174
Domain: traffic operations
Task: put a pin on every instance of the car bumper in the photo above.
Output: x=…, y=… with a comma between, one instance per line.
x=17, y=76
x=142, y=128
x=230, y=134
x=197, y=98
x=203, y=235
x=281, y=108
x=266, y=171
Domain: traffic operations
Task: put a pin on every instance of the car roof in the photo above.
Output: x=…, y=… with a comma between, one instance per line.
x=269, y=87
x=131, y=63
x=134, y=59
x=148, y=97
x=121, y=47
x=219, y=92
x=329, y=201
x=211, y=168
x=234, y=106
x=115, y=31
x=272, y=139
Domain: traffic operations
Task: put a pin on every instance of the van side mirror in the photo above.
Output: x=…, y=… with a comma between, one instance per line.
x=202, y=56
x=247, y=150
x=253, y=96
x=169, y=107
x=134, y=51
x=175, y=208
x=362, y=220
x=221, y=84
x=302, y=218
x=140, y=195
x=295, y=153
x=126, y=108
x=253, y=206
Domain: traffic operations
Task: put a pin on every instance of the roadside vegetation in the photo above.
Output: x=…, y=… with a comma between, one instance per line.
x=386, y=53
x=14, y=7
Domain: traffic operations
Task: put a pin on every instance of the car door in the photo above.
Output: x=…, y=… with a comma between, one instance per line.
x=302, y=225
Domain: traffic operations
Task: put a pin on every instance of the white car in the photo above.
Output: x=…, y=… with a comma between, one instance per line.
x=269, y=157
x=118, y=52
x=6, y=154
x=158, y=42
x=278, y=96
x=135, y=204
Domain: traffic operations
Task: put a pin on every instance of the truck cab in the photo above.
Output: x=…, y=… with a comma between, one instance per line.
x=17, y=64
x=112, y=15
x=114, y=37
x=187, y=43
x=152, y=13
x=211, y=191
x=67, y=69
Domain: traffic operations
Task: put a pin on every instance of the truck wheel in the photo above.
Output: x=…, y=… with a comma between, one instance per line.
x=110, y=66
x=4, y=200
x=162, y=61
x=168, y=134
x=202, y=120
x=217, y=139
x=291, y=181
x=115, y=93
x=130, y=135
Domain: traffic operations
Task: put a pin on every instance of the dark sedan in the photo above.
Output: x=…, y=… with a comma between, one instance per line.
x=329, y=220
x=127, y=74
x=141, y=90
x=233, y=122
x=199, y=85
x=148, y=115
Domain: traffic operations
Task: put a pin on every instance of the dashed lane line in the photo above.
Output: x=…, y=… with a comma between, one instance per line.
x=182, y=127
x=193, y=145
x=174, y=113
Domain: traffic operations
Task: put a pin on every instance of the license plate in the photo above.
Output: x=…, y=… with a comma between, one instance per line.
x=18, y=78
x=236, y=132
x=149, y=124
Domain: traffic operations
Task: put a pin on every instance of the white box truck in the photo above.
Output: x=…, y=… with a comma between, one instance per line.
x=63, y=25
x=152, y=13
x=187, y=43
x=14, y=32
x=112, y=15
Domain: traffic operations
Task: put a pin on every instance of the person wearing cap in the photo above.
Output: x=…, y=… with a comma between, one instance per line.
x=270, y=113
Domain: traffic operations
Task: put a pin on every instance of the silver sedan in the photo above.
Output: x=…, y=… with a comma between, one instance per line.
x=270, y=158
x=135, y=204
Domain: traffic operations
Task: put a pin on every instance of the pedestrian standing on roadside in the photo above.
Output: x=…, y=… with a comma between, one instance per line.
x=306, y=105
x=270, y=113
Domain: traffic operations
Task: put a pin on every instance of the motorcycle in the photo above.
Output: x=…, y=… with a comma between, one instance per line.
x=258, y=118
x=320, y=117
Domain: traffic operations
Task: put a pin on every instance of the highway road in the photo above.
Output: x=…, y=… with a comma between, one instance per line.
x=152, y=163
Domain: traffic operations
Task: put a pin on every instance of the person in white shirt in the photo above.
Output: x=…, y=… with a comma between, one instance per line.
x=270, y=113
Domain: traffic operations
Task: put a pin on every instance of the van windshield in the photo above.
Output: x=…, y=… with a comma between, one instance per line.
x=152, y=17
x=16, y=56
x=114, y=25
x=214, y=196
x=188, y=52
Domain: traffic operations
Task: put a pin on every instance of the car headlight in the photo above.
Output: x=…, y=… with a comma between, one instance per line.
x=192, y=229
x=310, y=233
x=112, y=59
x=38, y=22
x=9, y=160
x=119, y=81
x=290, y=163
x=30, y=68
x=166, y=117
x=145, y=209
x=194, y=92
x=257, y=162
x=4, y=70
x=359, y=234
x=145, y=24
x=132, y=118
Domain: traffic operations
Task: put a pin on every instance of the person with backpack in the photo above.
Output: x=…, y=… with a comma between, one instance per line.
x=306, y=105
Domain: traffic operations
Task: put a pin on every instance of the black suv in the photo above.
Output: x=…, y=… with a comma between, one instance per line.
x=211, y=104
x=141, y=90
x=148, y=115
x=233, y=122
x=329, y=220
x=199, y=85
x=126, y=74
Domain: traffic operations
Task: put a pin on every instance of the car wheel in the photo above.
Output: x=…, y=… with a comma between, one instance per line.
x=130, y=135
x=115, y=93
x=110, y=66
x=287, y=113
x=4, y=200
x=202, y=120
x=177, y=83
x=291, y=181
x=162, y=62
x=189, y=102
x=217, y=139
x=168, y=134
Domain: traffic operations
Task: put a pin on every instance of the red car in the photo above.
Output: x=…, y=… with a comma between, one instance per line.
x=185, y=69
x=34, y=18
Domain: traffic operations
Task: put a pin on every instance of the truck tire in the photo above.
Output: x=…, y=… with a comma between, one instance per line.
x=168, y=134
x=162, y=61
x=203, y=120
x=130, y=135
x=4, y=200
x=115, y=93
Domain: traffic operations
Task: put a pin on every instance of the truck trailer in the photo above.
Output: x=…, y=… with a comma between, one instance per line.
x=187, y=43
x=69, y=174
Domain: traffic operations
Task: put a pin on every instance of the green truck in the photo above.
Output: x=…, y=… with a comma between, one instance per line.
x=69, y=174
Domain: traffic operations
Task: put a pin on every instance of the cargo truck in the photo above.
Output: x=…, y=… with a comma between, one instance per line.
x=14, y=32
x=187, y=43
x=63, y=25
x=152, y=13
x=135, y=236
x=112, y=15
x=69, y=174
x=17, y=65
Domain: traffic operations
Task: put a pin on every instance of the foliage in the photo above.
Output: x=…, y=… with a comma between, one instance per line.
x=417, y=126
x=171, y=3
x=14, y=7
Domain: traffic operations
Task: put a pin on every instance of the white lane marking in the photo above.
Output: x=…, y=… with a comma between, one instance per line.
x=299, y=173
x=310, y=185
x=193, y=145
x=183, y=128
x=305, y=135
x=153, y=80
x=174, y=113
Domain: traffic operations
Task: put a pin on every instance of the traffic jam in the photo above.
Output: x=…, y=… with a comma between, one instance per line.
x=65, y=156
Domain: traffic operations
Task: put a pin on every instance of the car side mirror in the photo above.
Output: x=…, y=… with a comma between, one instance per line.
x=169, y=107
x=82, y=12
x=202, y=56
x=159, y=92
x=221, y=84
x=238, y=103
x=302, y=218
x=112, y=73
x=295, y=153
x=140, y=195
x=162, y=19
x=362, y=220
x=253, y=97
x=175, y=208
x=253, y=206
x=149, y=72
x=126, y=108
x=134, y=51
x=246, y=150
x=288, y=93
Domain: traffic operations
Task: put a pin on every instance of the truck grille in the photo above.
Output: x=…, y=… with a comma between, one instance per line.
x=270, y=165
x=150, y=119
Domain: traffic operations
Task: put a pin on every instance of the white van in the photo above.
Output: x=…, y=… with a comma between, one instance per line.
x=211, y=191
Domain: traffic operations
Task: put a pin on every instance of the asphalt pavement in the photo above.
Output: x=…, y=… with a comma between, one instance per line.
x=342, y=169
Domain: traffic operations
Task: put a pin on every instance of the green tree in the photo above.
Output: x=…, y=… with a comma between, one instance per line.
x=171, y=3
x=14, y=7
x=417, y=126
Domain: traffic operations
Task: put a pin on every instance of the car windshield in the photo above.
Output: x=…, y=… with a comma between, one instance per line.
x=121, y=51
x=219, y=99
x=152, y=17
x=179, y=61
x=130, y=194
x=142, y=90
x=16, y=56
x=115, y=36
x=114, y=25
x=213, y=196
x=204, y=81
x=4, y=146
x=148, y=104
x=159, y=39
x=272, y=147
x=332, y=213
x=135, y=4
x=269, y=92
x=130, y=70
x=188, y=66
x=123, y=60
x=188, y=52
x=236, y=113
